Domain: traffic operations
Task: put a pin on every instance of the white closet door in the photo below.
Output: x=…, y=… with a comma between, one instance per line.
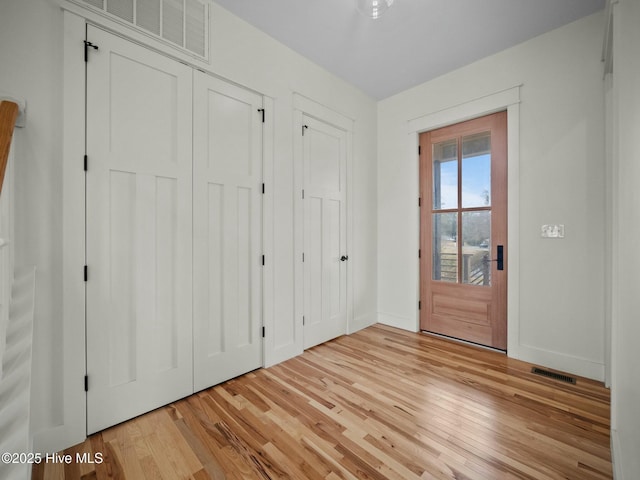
x=325, y=262
x=139, y=230
x=227, y=193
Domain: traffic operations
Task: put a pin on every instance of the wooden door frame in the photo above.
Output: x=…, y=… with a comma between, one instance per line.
x=508, y=100
x=496, y=125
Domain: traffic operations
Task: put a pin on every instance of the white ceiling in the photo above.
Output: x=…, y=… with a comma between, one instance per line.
x=413, y=42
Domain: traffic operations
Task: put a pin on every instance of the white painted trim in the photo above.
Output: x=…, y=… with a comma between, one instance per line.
x=363, y=321
x=268, y=234
x=610, y=216
x=303, y=105
x=139, y=35
x=474, y=108
x=616, y=450
x=583, y=367
x=508, y=99
x=73, y=429
x=351, y=324
x=298, y=237
x=513, y=228
x=397, y=321
x=321, y=112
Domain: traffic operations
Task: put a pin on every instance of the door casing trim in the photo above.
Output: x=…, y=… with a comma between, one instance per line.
x=72, y=420
x=509, y=100
x=305, y=106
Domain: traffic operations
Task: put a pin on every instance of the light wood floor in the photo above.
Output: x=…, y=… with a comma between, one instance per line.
x=381, y=403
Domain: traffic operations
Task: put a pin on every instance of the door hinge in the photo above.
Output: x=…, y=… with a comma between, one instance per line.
x=419, y=150
x=302, y=319
x=419, y=201
x=86, y=383
x=419, y=305
x=261, y=110
x=304, y=127
x=419, y=253
x=87, y=46
x=263, y=332
x=263, y=260
x=263, y=188
x=86, y=163
x=303, y=193
x=303, y=256
x=86, y=273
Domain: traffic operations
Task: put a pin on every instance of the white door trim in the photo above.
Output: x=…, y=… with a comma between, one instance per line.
x=73, y=426
x=508, y=99
x=305, y=106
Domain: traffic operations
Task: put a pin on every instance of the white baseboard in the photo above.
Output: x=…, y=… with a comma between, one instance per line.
x=397, y=321
x=363, y=321
x=618, y=474
x=559, y=361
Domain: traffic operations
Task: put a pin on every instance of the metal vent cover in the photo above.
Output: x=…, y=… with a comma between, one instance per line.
x=183, y=23
x=554, y=375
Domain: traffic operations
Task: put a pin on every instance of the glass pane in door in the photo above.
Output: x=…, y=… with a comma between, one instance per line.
x=445, y=175
x=445, y=247
x=476, y=170
x=476, y=247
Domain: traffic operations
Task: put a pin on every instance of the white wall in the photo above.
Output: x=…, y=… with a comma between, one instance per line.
x=625, y=399
x=560, y=319
x=31, y=69
x=31, y=55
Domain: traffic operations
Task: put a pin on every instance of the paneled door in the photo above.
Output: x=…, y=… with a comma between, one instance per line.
x=139, y=230
x=324, y=148
x=463, y=230
x=227, y=196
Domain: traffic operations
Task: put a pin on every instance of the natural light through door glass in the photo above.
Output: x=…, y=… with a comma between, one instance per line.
x=445, y=250
x=476, y=170
x=476, y=247
x=445, y=175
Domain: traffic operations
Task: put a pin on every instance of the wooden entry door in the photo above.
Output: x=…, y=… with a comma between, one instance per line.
x=325, y=231
x=463, y=231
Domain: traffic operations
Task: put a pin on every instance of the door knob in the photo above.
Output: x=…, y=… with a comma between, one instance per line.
x=344, y=257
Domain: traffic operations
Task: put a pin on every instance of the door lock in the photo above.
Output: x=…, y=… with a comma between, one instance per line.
x=500, y=260
x=344, y=258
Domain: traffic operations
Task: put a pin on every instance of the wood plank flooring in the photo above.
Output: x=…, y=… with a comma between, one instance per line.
x=379, y=404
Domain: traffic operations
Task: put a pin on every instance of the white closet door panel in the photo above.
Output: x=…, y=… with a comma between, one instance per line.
x=141, y=94
x=139, y=230
x=227, y=231
x=213, y=251
x=324, y=167
x=333, y=250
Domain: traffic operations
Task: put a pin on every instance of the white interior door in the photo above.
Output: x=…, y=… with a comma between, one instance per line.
x=139, y=230
x=325, y=258
x=227, y=194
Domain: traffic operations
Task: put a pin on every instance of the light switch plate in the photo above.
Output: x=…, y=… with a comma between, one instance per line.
x=553, y=231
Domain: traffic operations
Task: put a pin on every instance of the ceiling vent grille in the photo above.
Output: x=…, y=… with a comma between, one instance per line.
x=183, y=23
